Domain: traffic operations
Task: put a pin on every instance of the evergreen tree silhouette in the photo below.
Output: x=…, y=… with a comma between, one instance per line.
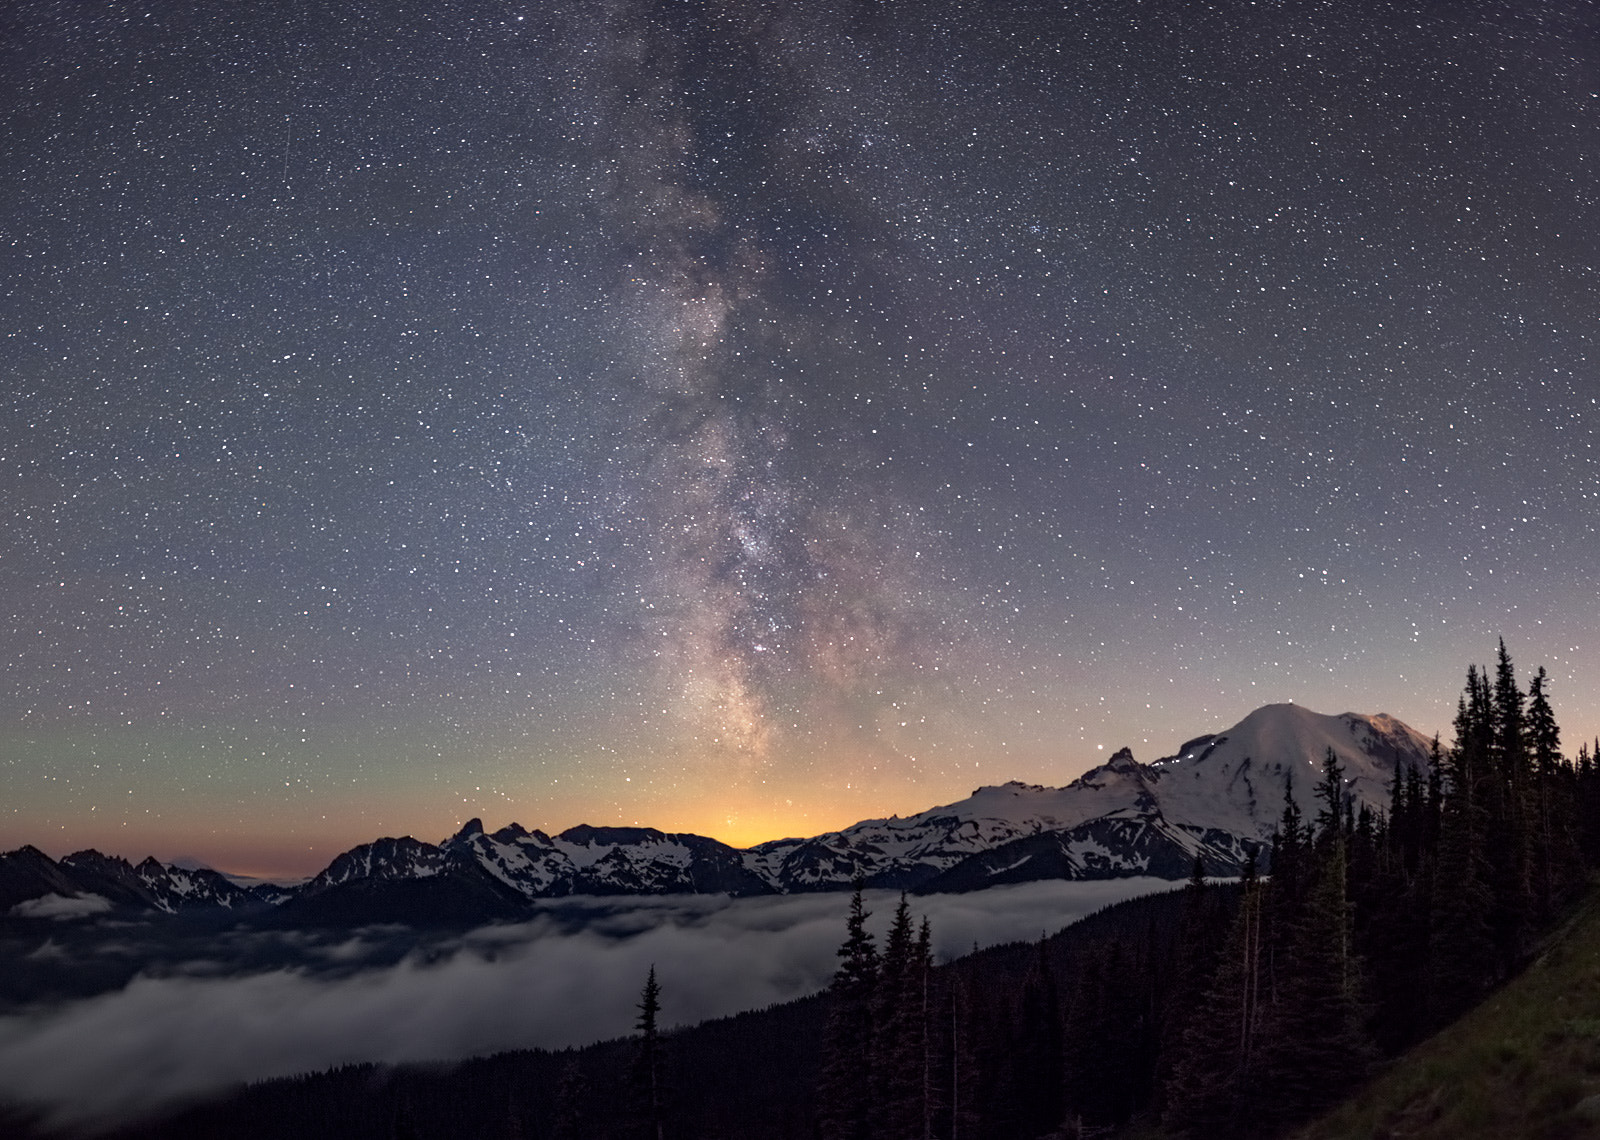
x=1558, y=869
x=1509, y=831
x=1330, y=793
x=1313, y=1046
x=925, y=995
x=1037, y=1047
x=895, y=1070
x=845, y=1098
x=1214, y=1072
x=648, y=1075
x=1461, y=945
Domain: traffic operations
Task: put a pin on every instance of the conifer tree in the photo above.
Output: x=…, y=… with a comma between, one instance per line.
x=1461, y=945
x=960, y=1115
x=1313, y=1045
x=1587, y=796
x=1203, y=928
x=1558, y=869
x=845, y=1098
x=1330, y=791
x=1289, y=840
x=1434, y=814
x=1213, y=1078
x=895, y=1056
x=929, y=1101
x=1544, y=735
x=1509, y=832
x=1291, y=854
x=1392, y=900
x=648, y=1075
x=1037, y=1047
x=1109, y=1040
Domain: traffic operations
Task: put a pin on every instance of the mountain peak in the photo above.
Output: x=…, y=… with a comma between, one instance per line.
x=1122, y=761
x=473, y=826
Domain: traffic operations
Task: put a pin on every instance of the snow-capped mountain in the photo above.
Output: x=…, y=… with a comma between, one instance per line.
x=586, y=860
x=495, y=875
x=1219, y=797
x=28, y=873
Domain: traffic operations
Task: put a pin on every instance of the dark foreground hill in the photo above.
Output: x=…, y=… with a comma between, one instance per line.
x=1525, y=1063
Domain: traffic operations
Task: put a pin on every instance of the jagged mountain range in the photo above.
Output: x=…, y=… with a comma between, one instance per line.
x=1219, y=797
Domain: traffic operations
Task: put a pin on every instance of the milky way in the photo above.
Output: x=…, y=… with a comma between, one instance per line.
x=751, y=417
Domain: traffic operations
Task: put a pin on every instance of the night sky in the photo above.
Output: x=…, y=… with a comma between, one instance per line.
x=749, y=418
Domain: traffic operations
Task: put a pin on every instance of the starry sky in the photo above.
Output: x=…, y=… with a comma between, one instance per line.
x=751, y=417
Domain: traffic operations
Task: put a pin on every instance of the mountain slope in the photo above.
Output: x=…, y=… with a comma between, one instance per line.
x=1524, y=1063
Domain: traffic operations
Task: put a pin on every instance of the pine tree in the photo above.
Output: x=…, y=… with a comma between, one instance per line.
x=1434, y=813
x=1313, y=1046
x=895, y=1056
x=1110, y=1036
x=1330, y=791
x=1213, y=1079
x=1289, y=841
x=1461, y=945
x=1587, y=796
x=1203, y=929
x=845, y=1098
x=1291, y=855
x=1037, y=1047
x=648, y=1075
x=1392, y=899
x=1509, y=831
x=958, y=1054
x=1558, y=869
x=929, y=1100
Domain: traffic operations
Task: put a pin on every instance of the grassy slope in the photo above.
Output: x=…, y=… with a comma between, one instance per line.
x=1520, y=1065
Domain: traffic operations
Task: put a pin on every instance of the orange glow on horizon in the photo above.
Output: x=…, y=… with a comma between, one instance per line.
x=740, y=812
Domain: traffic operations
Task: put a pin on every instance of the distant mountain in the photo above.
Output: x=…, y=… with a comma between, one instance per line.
x=1219, y=797
x=28, y=874
x=476, y=876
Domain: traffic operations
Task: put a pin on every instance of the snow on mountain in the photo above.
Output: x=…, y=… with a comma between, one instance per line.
x=1235, y=780
x=526, y=861
x=1219, y=797
x=181, y=888
x=28, y=873
x=387, y=858
x=489, y=875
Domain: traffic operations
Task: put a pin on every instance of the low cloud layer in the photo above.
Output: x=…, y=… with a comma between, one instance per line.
x=568, y=977
x=61, y=907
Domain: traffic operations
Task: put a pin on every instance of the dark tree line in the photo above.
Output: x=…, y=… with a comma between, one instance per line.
x=1270, y=999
